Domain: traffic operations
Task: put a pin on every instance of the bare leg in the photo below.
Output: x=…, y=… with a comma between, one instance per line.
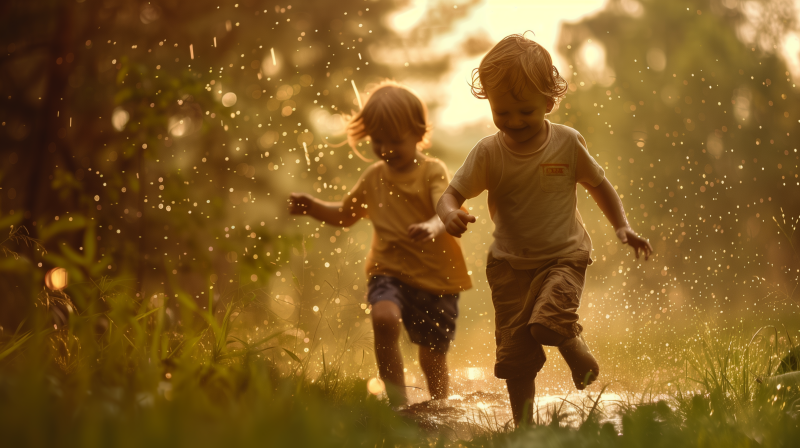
x=521, y=392
x=580, y=360
x=575, y=352
x=386, y=327
x=434, y=366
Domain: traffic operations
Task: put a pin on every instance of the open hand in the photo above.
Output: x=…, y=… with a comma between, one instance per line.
x=424, y=231
x=627, y=236
x=456, y=222
x=300, y=203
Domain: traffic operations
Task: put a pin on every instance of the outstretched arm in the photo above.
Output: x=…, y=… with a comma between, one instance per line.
x=449, y=210
x=609, y=202
x=333, y=213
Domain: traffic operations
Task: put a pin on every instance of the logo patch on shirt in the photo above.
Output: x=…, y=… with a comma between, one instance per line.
x=555, y=169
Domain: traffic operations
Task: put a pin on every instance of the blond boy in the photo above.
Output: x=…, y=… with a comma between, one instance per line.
x=537, y=263
x=415, y=270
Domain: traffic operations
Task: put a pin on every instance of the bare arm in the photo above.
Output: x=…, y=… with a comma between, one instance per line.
x=333, y=213
x=449, y=210
x=611, y=205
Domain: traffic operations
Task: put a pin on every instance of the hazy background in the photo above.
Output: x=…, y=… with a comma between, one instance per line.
x=150, y=147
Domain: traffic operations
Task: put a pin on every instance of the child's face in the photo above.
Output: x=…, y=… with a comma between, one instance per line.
x=520, y=119
x=398, y=152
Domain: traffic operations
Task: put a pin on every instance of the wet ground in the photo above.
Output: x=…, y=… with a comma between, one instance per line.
x=481, y=405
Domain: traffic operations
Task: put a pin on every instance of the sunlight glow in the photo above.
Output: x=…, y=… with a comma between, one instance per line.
x=327, y=123
x=791, y=52
x=271, y=64
x=592, y=60
x=119, y=118
x=375, y=386
x=56, y=279
x=593, y=54
x=497, y=19
x=475, y=373
x=178, y=126
x=405, y=19
x=229, y=99
x=283, y=306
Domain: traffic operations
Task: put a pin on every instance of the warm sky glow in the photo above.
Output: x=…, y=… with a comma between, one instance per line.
x=500, y=18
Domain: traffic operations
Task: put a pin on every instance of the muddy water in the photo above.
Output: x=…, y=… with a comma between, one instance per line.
x=480, y=404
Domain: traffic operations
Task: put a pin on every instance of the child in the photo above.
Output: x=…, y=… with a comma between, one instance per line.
x=415, y=269
x=537, y=263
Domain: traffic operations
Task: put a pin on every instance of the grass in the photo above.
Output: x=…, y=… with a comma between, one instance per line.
x=124, y=376
x=126, y=372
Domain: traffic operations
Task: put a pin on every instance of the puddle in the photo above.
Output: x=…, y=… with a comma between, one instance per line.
x=480, y=404
x=481, y=412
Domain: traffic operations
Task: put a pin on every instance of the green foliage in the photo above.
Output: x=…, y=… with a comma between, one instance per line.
x=118, y=375
x=122, y=373
x=124, y=164
x=697, y=130
x=137, y=159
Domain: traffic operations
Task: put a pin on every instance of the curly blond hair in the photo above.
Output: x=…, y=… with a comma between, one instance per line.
x=517, y=63
x=392, y=108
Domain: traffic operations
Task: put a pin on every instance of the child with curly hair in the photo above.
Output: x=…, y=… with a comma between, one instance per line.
x=536, y=266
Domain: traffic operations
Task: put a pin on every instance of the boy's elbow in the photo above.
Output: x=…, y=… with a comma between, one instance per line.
x=446, y=198
x=454, y=196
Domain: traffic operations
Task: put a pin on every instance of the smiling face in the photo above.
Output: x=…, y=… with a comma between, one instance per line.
x=398, y=152
x=520, y=119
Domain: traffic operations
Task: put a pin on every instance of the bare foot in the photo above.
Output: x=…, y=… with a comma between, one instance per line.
x=583, y=365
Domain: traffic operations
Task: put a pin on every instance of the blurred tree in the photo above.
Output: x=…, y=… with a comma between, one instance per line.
x=153, y=141
x=695, y=125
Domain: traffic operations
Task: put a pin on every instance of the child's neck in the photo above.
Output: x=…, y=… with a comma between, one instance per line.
x=411, y=166
x=530, y=145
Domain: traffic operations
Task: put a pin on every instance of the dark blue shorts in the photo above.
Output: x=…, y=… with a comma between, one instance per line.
x=430, y=319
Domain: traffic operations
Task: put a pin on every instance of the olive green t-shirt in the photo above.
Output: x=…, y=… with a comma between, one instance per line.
x=532, y=196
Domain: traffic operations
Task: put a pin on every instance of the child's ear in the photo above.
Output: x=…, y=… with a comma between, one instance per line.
x=550, y=105
x=420, y=143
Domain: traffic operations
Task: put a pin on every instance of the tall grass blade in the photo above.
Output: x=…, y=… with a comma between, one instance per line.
x=292, y=355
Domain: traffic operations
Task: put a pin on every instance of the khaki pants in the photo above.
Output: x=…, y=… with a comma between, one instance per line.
x=548, y=295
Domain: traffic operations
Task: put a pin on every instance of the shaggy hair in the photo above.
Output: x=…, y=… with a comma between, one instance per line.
x=394, y=109
x=517, y=63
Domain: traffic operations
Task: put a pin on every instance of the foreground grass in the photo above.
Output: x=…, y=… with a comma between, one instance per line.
x=118, y=374
x=243, y=406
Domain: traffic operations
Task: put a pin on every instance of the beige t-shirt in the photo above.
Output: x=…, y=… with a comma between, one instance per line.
x=532, y=197
x=394, y=201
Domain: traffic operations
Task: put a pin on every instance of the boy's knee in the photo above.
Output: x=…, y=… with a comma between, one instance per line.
x=385, y=319
x=432, y=354
x=546, y=336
